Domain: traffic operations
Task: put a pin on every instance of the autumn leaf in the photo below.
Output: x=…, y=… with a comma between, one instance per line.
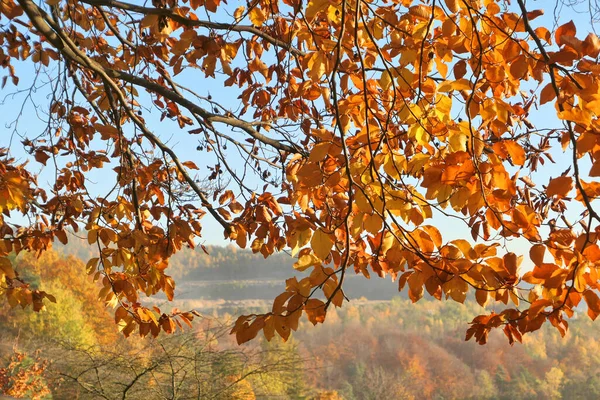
x=6, y=268
x=315, y=310
x=593, y=303
x=306, y=261
x=536, y=254
x=564, y=32
x=560, y=186
x=591, y=45
x=548, y=94
x=453, y=5
x=321, y=244
x=517, y=153
x=257, y=16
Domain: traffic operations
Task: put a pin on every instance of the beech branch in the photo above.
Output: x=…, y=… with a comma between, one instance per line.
x=195, y=23
x=43, y=23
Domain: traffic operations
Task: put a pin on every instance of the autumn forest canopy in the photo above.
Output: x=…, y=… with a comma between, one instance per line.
x=450, y=145
x=366, y=350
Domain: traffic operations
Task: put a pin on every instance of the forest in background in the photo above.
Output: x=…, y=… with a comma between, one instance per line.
x=228, y=272
x=366, y=350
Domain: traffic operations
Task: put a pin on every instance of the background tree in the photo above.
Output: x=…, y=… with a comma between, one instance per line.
x=359, y=126
x=413, y=350
x=23, y=377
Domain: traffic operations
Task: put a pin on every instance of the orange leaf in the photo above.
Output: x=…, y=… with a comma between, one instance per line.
x=315, y=310
x=519, y=67
x=566, y=30
x=548, y=94
x=511, y=263
x=593, y=303
x=189, y=164
x=534, y=14
x=591, y=45
x=517, y=153
x=420, y=11
x=543, y=33
x=319, y=152
x=460, y=69
x=452, y=5
x=560, y=186
x=536, y=253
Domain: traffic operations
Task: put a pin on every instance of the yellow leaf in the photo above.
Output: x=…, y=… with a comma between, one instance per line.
x=334, y=14
x=457, y=289
x=257, y=17
x=314, y=7
x=459, y=84
x=238, y=13
x=420, y=11
x=92, y=236
x=306, y=261
x=149, y=21
x=317, y=65
x=91, y=265
x=321, y=243
x=6, y=268
x=385, y=81
x=394, y=165
x=434, y=234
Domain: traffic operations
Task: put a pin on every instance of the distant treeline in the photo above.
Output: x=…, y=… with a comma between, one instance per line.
x=211, y=263
x=240, y=273
x=364, y=350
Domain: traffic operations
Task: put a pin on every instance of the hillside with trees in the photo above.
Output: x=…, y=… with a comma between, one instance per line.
x=227, y=272
x=368, y=350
